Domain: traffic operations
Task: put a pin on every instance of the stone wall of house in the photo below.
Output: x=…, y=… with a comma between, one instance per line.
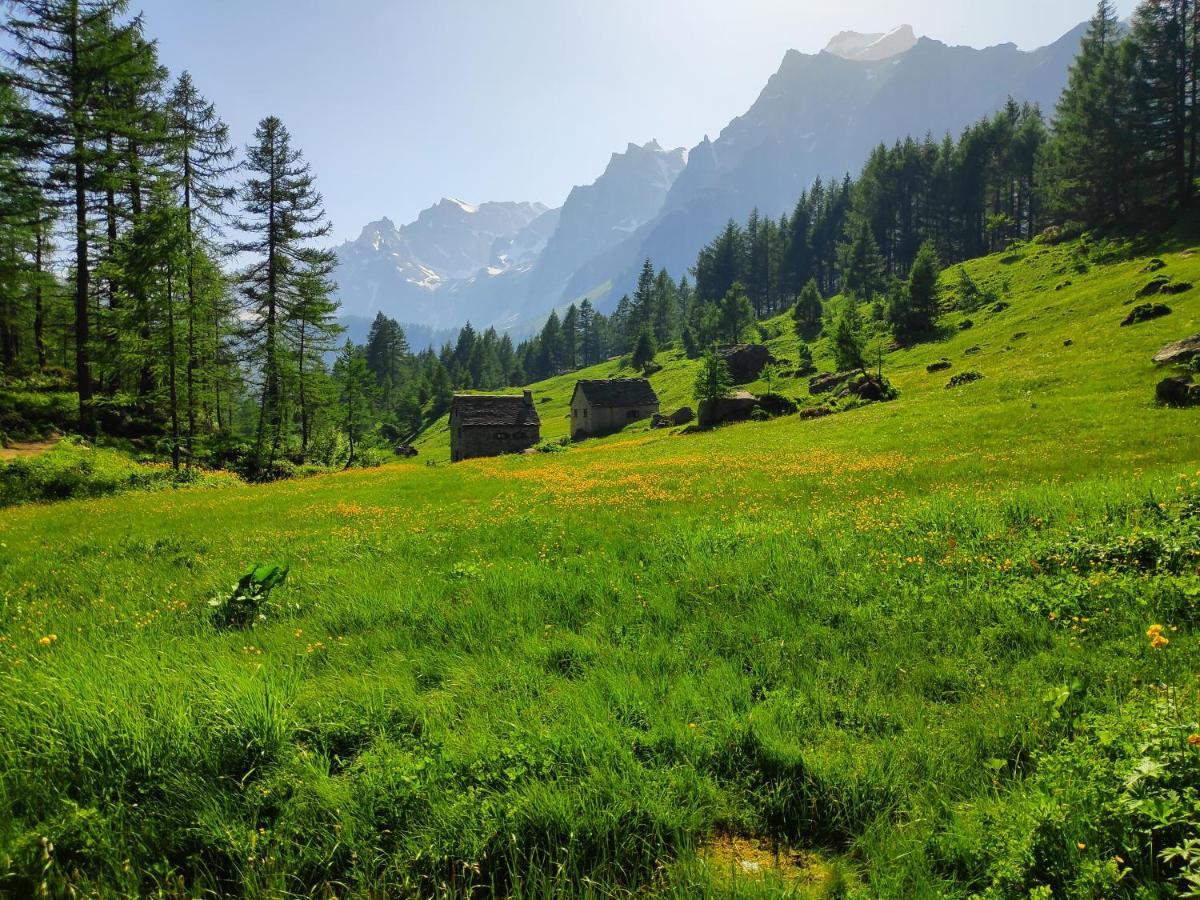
x=471, y=441
x=605, y=420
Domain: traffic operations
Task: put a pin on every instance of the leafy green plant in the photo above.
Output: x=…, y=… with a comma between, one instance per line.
x=247, y=603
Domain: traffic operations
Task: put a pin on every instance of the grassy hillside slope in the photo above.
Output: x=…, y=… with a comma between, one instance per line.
x=1022, y=347
x=899, y=651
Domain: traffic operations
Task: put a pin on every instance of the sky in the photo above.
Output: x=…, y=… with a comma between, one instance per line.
x=397, y=103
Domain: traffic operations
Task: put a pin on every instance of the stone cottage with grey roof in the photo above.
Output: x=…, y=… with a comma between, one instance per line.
x=602, y=407
x=491, y=425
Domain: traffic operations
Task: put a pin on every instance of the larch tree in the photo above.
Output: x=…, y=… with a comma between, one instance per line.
x=199, y=160
x=356, y=390
x=63, y=51
x=282, y=213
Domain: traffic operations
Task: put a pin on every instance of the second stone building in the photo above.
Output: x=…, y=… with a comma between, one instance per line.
x=602, y=407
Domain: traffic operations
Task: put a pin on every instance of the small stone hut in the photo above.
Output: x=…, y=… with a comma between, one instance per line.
x=602, y=407
x=491, y=425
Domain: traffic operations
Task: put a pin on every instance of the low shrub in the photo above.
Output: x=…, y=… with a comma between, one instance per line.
x=777, y=405
x=74, y=470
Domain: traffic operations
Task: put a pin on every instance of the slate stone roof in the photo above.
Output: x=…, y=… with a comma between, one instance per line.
x=618, y=392
x=508, y=411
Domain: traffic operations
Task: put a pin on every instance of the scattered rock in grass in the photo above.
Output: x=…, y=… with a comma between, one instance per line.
x=826, y=382
x=679, y=417
x=1068, y=343
x=1179, y=352
x=1020, y=335
x=965, y=324
x=1010, y=259
x=1155, y=265
x=1178, y=390
x=1145, y=312
x=1062, y=285
x=406, y=451
x=1176, y=287
x=999, y=307
x=940, y=366
x=816, y=412
x=866, y=386
x=963, y=378
x=683, y=415
x=973, y=351
x=1153, y=287
x=737, y=407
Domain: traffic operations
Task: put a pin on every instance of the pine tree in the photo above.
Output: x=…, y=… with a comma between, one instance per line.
x=199, y=157
x=923, y=289
x=644, y=350
x=848, y=341
x=861, y=263
x=1166, y=34
x=356, y=392
x=64, y=50
x=808, y=309
x=642, y=309
x=736, y=314
x=550, y=355
x=310, y=328
x=589, y=335
x=570, y=338
x=713, y=380
x=1087, y=159
x=665, y=318
x=282, y=213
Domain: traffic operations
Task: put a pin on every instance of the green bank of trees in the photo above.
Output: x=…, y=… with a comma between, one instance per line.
x=182, y=295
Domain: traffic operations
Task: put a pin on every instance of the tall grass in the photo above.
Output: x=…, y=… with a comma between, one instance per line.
x=908, y=641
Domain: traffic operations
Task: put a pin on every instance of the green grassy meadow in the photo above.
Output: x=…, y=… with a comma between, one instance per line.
x=899, y=651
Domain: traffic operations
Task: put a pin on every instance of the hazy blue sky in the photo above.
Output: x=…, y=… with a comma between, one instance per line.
x=399, y=102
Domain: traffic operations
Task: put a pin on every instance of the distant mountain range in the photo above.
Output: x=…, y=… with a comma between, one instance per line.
x=509, y=264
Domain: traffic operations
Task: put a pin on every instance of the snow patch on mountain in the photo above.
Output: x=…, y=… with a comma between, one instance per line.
x=860, y=47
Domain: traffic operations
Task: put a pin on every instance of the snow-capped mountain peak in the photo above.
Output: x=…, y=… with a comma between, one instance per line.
x=854, y=45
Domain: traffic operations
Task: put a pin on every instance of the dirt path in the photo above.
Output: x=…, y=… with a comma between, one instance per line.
x=20, y=449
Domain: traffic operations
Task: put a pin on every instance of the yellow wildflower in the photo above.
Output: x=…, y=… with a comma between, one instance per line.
x=1194, y=740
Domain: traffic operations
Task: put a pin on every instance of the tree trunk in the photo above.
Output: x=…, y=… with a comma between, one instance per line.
x=191, y=310
x=83, y=363
x=39, y=313
x=171, y=363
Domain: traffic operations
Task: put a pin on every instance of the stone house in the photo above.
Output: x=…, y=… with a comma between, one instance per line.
x=492, y=424
x=602, y=407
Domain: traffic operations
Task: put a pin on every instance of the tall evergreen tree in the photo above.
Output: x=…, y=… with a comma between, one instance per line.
x=1087, y=161
x=282, y=212
x=199, y=158
x=356, y=391
x=861, y=263
x=64, y=50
